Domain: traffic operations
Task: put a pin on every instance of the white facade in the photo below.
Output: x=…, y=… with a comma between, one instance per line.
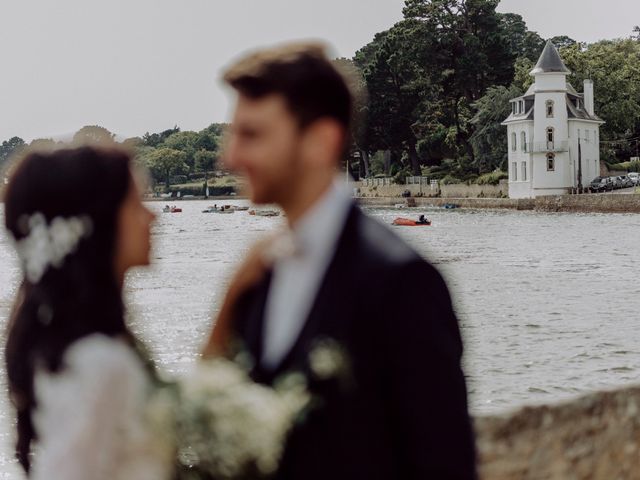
x=544, y=130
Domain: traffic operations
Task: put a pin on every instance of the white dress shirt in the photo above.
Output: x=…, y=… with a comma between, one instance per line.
x=296, y=279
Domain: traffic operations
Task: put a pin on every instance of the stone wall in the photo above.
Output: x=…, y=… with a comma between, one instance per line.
x=596, y=437
x=599, y=203
x=459, y=190
x=605, y=203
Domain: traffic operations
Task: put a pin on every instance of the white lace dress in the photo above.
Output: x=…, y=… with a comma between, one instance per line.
x=90, y=417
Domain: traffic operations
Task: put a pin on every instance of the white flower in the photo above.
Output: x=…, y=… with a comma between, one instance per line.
x=48, y=245
x=225, y=425
x=327, y=359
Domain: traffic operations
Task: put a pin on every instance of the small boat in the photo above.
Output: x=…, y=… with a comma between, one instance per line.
x=264, y=213
x=174, y=209
x=407, y=222
x=400, y=205
x=450, y=206
x=216, y=209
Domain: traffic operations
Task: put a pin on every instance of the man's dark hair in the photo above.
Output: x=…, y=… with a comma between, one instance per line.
x=303, y=74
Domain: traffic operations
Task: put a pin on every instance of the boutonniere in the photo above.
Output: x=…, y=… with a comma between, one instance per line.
x=328, y=359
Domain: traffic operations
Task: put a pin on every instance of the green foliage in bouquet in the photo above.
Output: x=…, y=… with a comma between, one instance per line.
x=223, y=425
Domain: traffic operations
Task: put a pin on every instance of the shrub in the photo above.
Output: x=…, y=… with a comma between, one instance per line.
x=400, y=178
x=450, y=179
x=625, y=166
x=492, y=178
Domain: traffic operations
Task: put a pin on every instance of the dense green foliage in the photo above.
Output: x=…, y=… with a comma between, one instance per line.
x=439, y=84
x=171, y=153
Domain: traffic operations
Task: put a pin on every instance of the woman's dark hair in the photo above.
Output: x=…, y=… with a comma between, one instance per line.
x=83, y=295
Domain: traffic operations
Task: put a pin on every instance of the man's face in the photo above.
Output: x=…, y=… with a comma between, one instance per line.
x=264, y=146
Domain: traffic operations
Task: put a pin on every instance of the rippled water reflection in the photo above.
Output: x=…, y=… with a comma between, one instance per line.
x=547, y=302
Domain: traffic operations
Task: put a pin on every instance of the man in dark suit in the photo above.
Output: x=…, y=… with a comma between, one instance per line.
x=394, y=406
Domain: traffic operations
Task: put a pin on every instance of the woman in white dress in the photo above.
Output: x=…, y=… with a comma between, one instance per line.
x=77, y=381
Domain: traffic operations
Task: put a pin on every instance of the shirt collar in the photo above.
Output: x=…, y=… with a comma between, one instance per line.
x=318, y=229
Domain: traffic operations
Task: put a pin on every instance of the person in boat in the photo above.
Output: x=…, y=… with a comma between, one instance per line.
x=423, y=220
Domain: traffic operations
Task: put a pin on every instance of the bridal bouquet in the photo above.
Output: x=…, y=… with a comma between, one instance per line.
x=224, y=426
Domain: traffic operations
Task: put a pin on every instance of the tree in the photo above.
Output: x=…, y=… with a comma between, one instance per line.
x=562, y=41
x=133, y=142
x=395, y=71
x=186, y=143
x=164, y=163
x=489, y=140
x=155, y=139
x=42, y=144
x=205, y=160
x=521, y=41
x=424, y=74
x=210, y=138
x=10, y=147
x=614, y=66
x=93, y=134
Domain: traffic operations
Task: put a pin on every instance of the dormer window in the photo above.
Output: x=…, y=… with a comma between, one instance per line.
x=549, y=105
x=521, y=106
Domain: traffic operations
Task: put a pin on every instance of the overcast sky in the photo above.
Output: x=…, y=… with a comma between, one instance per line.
x=146, y=65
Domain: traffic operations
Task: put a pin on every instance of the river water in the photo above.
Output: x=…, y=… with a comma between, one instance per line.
x=547, y=302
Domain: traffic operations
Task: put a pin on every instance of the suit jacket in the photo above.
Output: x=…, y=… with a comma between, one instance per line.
x=402, y=413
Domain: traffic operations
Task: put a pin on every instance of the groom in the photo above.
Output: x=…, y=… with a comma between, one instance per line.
x=399, y=408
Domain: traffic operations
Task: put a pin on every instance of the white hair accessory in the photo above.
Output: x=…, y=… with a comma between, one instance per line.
x=48, y=245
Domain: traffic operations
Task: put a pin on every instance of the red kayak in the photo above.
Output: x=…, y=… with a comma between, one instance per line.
x=406, y=222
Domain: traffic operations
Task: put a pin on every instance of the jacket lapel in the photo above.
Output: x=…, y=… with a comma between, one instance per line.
x=250, y=318
x=328, y=310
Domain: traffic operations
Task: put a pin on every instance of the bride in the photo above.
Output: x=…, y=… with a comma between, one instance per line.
x=76, y=377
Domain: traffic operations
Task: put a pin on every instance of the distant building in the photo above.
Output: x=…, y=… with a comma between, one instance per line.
x=553, y=133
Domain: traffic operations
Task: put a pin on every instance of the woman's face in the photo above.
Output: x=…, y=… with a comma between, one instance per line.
x=133, y=241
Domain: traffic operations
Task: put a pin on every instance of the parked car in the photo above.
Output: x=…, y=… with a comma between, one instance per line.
x=601, y=184
x=624, y=181
x=617, y=182
x=634, y=177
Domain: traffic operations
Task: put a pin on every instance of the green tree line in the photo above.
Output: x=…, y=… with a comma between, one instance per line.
x=168, y=155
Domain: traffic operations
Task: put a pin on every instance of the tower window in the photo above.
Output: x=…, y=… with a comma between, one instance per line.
x=549, y=105
x=550, y=137
x=524, y=171
x=513, y=142
x=551, y=162
x=514, y=171
x=523, y=141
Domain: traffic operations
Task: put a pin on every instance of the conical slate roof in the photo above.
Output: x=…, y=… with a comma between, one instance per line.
x=550, y=61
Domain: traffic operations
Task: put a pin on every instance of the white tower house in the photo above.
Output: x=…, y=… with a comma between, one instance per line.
x=553, y=133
